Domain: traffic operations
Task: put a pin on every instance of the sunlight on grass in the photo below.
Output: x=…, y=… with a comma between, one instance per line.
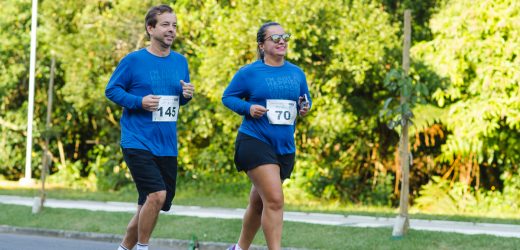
x=229, y=196
x=300, y=235
x=14, y=185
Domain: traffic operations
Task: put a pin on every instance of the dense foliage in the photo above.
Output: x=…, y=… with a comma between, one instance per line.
x=475, y=48
x=464, y=51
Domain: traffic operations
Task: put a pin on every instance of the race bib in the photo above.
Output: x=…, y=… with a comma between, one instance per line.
x=167, y=110
x=281, y=112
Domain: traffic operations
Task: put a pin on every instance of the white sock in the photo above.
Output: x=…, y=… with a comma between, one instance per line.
x=141, y=246
x=237, y=247
x=121, y=247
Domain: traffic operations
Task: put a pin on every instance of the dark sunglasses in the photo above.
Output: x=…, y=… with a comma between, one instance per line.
x=276, y=38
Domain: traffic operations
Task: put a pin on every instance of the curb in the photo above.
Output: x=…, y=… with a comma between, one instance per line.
x=116, y=238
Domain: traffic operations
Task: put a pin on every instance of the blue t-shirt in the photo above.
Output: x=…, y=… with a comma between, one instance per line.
x=255, y=84
x=139, y=74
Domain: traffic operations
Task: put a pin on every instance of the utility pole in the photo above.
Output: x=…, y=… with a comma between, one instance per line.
x=30, y=108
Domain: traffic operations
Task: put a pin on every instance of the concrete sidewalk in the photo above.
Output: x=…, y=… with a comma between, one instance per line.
x=503, y=230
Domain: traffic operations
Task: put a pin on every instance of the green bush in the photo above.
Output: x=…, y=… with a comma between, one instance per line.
x=445, y=197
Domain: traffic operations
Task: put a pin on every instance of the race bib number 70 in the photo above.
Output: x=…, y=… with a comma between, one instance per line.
x=281, y=112
x=167, y=110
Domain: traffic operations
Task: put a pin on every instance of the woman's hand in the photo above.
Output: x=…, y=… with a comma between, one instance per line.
x=257, y=111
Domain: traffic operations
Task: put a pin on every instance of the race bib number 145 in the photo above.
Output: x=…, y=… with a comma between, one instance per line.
x=168, y=109
x=281, y=112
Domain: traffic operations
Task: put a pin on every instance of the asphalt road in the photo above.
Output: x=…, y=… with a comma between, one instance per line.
x=33, y=242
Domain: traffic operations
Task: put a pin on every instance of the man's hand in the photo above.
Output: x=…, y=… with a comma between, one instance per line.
x=187, y=89
x=150, y=103
x=257, y=111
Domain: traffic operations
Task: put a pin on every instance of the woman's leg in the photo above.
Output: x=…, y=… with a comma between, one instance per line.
x=267, y=182
x=252, y=217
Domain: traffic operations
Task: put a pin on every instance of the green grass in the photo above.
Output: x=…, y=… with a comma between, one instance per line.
x=300, y=235
x=236, y=196
x=187, y=194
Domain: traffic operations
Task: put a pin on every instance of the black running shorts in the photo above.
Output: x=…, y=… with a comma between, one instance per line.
x=251, y=152
x=152, y=174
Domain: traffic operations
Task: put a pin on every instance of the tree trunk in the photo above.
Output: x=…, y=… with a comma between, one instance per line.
x=402, y=222
x=46, y=156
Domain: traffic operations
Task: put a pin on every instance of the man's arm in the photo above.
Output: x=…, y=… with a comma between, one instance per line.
x=116, y=89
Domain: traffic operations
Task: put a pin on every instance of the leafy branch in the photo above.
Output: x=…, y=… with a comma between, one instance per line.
x=408, y=92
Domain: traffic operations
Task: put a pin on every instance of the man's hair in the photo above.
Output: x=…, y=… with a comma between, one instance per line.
x=151, y=15
x=260, y=37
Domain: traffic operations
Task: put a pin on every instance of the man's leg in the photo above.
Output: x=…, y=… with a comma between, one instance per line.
x=148, y=215
x=266, y=179
x=252, y=219
x=130, y=238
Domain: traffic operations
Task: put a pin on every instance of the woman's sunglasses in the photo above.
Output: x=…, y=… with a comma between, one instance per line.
x=276, y=38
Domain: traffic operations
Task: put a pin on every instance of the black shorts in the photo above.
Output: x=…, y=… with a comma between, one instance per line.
x=251, y=152
x=152, y=174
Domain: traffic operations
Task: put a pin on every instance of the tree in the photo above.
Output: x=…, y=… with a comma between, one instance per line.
x=409, y=94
